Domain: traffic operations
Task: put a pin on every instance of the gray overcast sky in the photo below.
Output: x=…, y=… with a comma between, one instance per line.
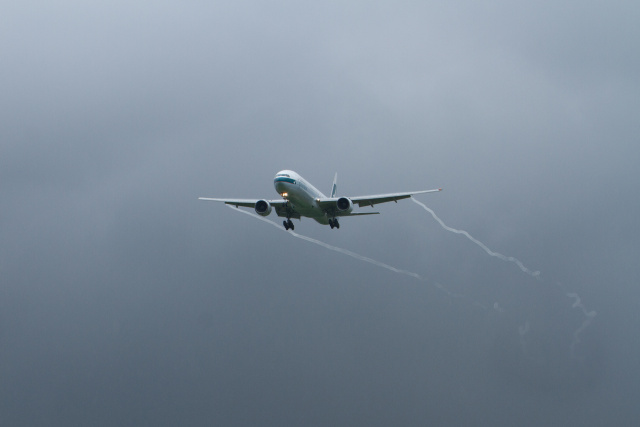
x=126, y=301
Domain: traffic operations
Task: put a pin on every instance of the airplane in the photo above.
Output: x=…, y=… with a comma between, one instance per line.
x=300, y=198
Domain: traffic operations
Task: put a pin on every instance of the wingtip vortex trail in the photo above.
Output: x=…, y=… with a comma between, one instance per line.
x=477, y=242
x=588, y=315
x=354, y=255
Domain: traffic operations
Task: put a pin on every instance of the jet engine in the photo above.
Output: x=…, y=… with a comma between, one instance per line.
x=263, y=208
x=344, y=205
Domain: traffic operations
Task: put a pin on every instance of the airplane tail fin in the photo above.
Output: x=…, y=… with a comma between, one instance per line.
x=334, y=187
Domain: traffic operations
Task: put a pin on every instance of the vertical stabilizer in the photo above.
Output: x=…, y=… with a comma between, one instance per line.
x=334, y=187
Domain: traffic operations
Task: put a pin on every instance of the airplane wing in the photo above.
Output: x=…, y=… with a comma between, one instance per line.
x=330, y=202
x=246, y=203
x=278, y=205
x=384, y=198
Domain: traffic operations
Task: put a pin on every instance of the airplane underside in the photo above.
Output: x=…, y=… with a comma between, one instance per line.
x=324, y=220
x=291, y=210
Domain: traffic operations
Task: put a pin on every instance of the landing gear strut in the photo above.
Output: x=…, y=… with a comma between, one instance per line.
x=288, y=224
x=334, y=223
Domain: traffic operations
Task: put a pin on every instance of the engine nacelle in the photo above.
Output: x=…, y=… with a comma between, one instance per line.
x=263, y=208
x=344, y=204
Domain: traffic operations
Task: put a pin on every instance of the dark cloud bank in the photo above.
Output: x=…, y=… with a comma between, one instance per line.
x=125, y=301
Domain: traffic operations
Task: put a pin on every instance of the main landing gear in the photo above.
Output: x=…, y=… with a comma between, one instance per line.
x=334, y=223
x=288, y=224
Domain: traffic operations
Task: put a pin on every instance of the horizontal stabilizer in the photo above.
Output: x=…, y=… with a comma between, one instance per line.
x=360, y=213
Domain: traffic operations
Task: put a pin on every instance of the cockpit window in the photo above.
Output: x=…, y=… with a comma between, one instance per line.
x=284, y=174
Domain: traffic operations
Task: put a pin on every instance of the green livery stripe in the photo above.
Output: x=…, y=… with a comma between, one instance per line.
x=284, y=179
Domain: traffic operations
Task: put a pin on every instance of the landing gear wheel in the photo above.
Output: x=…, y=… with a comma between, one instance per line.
x=286, y=225
x=336, y=223
x=290, y=225
x=331, y=224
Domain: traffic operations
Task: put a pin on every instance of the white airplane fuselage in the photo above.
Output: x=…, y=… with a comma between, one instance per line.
x=300, y=194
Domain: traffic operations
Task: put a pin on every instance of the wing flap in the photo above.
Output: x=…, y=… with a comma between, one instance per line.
x=384, y=198
x=329, y=204
x=357, y=213
x=246, y=203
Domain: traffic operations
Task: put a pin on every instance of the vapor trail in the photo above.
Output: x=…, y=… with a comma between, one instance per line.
x=349, y=253
x=588, y=317
x=522, y=330
x=477, y=242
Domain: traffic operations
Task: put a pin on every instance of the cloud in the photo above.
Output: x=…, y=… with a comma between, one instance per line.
x=124, y=298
